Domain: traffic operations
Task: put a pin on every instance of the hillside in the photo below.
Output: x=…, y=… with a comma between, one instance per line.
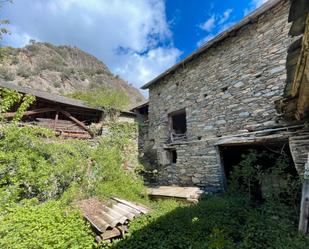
x=60, y=70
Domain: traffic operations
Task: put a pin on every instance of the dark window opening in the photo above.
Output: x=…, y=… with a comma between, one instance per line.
x=224, y=89
x=178, y=125
x=172, y=156
x=269, y=154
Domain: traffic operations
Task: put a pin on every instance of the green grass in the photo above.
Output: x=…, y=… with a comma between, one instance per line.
x=217, y=222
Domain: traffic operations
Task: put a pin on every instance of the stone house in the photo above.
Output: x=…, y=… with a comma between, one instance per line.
x=222, y=97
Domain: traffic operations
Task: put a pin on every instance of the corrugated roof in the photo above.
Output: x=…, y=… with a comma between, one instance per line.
x=110, y=219
x=248, y=19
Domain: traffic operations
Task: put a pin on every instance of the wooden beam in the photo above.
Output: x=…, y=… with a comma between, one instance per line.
x=304, y=208
x=29, y=113
x=79, y=123
x=56, y=120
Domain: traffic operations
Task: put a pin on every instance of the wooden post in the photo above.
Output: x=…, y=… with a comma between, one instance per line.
x=56, y=120
x=304, y=208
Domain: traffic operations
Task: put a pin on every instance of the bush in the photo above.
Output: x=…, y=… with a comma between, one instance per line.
x=30, y=167
x=57, y=84
x=67, y=73
x=47, y=225
x=24, y=72
x=6, y=74
x=102, y=97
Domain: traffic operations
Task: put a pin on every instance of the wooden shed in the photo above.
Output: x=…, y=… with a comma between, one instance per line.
x=66, y=116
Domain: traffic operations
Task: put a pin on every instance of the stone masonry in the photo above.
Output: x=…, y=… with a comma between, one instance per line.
x=226, y=90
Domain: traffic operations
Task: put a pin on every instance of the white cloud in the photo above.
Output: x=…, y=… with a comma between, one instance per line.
x=225, y=16
x=253, y=5
x=258, y=3
x=209, y=24
x=144, y=68
x=215, y=25
x=129, y=36
x=204, y=40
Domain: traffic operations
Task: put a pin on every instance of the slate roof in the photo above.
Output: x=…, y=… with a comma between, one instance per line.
x=54, y=97
x=47, y=96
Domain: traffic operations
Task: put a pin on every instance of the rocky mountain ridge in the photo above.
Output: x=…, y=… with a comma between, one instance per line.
x=60, y=70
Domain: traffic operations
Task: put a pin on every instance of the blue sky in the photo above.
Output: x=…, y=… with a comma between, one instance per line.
x=136, y=39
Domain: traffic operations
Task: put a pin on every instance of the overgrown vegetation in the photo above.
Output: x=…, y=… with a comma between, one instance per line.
x=47, y=225
x=41, y=177
x=102, y=97
x=217, y=222
x=234, y=220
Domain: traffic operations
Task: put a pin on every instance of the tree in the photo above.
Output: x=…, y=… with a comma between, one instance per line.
x=4, y=30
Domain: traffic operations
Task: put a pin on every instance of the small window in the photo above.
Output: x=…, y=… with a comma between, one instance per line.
x=172, y=156
x=178, y=125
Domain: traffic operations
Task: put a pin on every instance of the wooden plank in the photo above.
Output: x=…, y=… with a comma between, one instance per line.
x=298, y=8
x=79, y=123
x=304, y=209
x=29, y=113
x=187, y=193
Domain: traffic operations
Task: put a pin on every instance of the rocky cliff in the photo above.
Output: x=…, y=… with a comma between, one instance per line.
x=60, y=70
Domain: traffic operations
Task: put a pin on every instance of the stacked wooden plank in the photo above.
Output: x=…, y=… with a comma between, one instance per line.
x=189, y=194
x=110, y=219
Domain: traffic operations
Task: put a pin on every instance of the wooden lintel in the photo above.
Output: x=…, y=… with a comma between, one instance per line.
x=79, y=123
x=29, y=113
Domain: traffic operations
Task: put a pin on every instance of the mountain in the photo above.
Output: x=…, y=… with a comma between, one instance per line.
x=60, y=70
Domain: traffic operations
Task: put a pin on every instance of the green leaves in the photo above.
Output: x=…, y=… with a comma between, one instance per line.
x=10, y=98
x=48, y=225
x=101, y=97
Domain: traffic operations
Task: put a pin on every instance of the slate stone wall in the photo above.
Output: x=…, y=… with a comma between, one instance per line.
x=229, y=89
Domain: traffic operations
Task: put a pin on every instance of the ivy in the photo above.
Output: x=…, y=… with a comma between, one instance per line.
x=10, y=98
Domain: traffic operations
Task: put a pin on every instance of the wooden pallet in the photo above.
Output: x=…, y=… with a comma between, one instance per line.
x=190, y=194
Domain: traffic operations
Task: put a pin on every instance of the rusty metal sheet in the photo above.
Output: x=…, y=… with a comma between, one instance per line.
x=110, y=219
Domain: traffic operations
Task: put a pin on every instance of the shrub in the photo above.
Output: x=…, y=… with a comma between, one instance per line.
x=102, y=97
x=67, y=73
x=47, y=225
x=24, y=72
x=15, y=60
x=57, y=84
x=30, y=167
x=247, y=177
x=6, y=74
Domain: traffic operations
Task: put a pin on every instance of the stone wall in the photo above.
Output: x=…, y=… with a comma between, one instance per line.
x=229, y=89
